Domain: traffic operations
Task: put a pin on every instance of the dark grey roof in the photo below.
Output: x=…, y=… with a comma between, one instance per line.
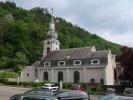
x=72, y=53
x=68, y=55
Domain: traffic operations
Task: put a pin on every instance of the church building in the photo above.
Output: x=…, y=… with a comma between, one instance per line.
x=70, y=65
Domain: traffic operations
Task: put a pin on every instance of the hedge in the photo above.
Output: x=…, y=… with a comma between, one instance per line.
x=8, y=75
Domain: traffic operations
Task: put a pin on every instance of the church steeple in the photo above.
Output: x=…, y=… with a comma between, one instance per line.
x=51, y=43
x=52, y=23
x=52, y=33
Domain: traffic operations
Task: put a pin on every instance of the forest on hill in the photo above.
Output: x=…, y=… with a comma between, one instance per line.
x=22, y=33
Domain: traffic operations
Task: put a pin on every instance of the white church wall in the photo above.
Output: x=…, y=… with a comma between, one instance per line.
x=71, y=74
x=96, y=73
x=27, y=74
x=109, y=71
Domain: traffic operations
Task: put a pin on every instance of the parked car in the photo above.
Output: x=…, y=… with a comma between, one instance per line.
x=128, y=92
x=77, y=87
x=36, y=97
x=115, y=97
x=107, y=97
x=50, y=86
x=72, y=95
x=122, y=98
x=110, y=91
x=124, y=83
x=33, y=91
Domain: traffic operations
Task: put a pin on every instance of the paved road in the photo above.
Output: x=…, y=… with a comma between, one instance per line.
x=6, y=92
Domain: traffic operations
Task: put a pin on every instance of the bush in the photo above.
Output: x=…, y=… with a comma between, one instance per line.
x=67, y=85
x=8, y=75
x=93, y=89
x=3, y=80
x=11, y=83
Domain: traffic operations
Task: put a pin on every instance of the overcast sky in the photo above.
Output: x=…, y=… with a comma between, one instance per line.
x=110, y=19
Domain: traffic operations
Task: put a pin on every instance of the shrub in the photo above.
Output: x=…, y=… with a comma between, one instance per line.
x=8, y=75
x=3, y=80
x=67, y=85
x=93, y=89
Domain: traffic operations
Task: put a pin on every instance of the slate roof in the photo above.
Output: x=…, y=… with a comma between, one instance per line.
x=69, y=55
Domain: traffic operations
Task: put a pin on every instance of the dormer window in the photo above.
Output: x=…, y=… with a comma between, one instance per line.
x=95, y=61
x=47, y=63
x=77, y=62
x=61, y=63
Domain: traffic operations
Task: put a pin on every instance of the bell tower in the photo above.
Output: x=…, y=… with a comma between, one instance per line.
x=51, y=43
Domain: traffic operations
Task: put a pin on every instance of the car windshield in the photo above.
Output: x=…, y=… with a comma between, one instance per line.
x=71, y=94
x=39, y=91
x=129, y=90
x=38, y=98
x=62, y=94
x=108, y=97
x=75, y=87
x=53, y=85
x=122, y=98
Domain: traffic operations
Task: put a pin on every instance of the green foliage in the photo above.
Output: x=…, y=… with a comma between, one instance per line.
x=3, y=80
x=8, y=75
x=22, y=35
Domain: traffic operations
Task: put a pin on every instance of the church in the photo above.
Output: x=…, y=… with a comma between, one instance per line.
x=70, y=65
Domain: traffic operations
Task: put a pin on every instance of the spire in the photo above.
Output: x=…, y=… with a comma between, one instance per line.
x=52, y=23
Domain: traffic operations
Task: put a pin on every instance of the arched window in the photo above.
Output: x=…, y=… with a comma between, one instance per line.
x=60, y=76
x=92, y=80
x=102, y=81
x=46, y=76
x=76, y=77
x=48, y=50
x=95, y=61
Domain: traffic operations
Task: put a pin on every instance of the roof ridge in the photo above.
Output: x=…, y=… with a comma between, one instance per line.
x=75, y=48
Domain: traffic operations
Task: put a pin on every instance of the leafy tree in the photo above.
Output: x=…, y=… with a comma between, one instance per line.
x=127, y=63
x=20, y=60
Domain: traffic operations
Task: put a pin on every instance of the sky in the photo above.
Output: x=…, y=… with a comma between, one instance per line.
x=110, y=19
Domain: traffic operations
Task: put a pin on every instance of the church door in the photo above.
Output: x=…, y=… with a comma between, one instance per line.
x=46, y=76
x=60, y=76
x=76, y=77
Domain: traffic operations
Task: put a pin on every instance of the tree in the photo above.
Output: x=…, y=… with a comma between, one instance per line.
x=20, y=60
x=127, y=63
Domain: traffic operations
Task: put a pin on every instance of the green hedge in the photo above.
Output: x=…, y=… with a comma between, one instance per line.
x=3, y=80
x=26, y=84
x=8, y=75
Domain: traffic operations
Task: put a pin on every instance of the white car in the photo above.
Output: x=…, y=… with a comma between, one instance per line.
x=51, y=87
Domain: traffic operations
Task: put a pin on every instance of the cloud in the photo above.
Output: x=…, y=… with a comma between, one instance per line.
x=107, y=18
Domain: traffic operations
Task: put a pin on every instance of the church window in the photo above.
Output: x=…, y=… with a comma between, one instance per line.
x=45, y=76
x=61, y=63
x=60, y=76
x=77, y=62
x=48, y=50
x=47, y=63
x=95, y=61
x=76, y=76
x=27, y=74
x=92, y=80
x=102, y=81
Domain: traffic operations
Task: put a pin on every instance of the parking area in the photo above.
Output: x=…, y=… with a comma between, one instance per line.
x=6, y=92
